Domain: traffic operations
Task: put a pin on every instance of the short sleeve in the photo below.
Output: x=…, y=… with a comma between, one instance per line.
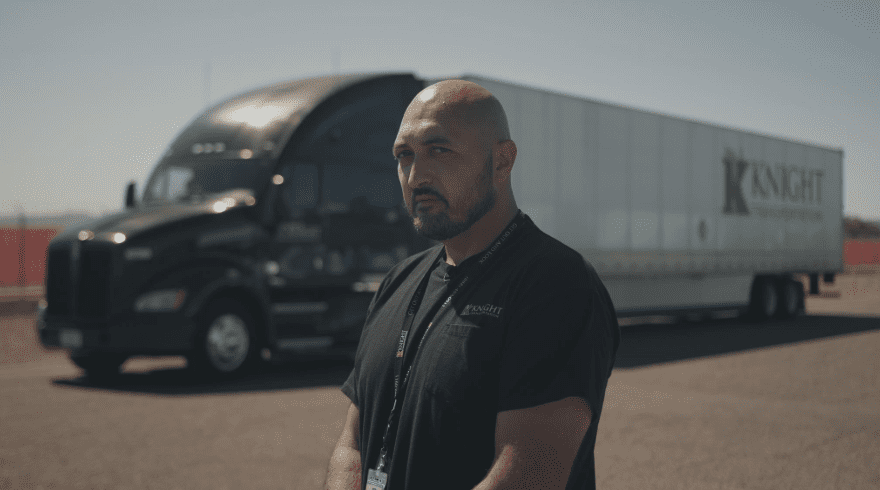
x=561, y=337
x=349, y=388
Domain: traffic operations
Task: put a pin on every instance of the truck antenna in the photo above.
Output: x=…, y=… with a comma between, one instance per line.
x=207, y=73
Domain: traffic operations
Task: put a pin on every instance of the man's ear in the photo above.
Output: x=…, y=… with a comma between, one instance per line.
x=506, y=153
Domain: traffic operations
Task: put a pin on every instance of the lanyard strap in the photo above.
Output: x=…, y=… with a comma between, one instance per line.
x=401, y=355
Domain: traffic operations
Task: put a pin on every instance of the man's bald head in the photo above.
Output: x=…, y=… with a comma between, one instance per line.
x=455, y=157
x=462, y=105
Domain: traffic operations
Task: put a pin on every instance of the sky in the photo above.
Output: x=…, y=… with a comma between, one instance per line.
x=91, y=93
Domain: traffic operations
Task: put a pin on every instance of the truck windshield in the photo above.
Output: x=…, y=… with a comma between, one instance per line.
x=179, y=181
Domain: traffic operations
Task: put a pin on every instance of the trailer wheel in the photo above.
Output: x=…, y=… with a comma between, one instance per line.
x=765, y=298
x=99, y=366
x=792, y=299
x=225, y=344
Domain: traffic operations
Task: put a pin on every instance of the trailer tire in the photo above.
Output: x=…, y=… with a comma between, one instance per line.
x=791, y=298
x=765, y=298
x=99, y=366
x=225, y=344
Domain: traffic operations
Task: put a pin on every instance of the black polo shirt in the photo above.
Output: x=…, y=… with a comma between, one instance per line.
x=536, y=326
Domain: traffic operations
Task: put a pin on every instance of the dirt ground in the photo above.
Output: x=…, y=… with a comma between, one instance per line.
x=725, y=404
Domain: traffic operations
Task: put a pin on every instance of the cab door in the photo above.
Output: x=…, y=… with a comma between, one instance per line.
x=295, y=266
x=344, y=223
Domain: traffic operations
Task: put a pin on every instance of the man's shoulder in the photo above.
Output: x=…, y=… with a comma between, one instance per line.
x=545, y=255
x=407, y=265
x=405, y=268
x=545, y=265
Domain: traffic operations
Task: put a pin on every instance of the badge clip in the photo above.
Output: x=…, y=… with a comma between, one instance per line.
x=377, y=479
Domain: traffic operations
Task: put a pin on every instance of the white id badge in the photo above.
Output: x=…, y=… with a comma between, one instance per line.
x=376, y=480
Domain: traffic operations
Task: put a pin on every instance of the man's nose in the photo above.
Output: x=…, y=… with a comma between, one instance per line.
x=420, y=173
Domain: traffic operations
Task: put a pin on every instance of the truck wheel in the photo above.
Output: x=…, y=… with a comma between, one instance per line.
x=99, y=366
x=792, y=299
x=765, y=298
x=225, y=344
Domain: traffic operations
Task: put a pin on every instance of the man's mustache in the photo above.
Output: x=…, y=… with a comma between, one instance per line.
x=426, y=191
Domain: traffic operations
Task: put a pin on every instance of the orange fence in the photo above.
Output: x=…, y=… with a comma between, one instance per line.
x=855, y=252
x=30, y=269
x=858, y=252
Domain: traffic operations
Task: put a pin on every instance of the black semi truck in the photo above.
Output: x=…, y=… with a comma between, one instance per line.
x=263, y=230
x=275, y=214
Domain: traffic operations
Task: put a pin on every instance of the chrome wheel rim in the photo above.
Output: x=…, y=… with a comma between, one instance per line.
x=227, y=342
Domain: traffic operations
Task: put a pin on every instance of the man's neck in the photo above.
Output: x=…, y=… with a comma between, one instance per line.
x=479, y=236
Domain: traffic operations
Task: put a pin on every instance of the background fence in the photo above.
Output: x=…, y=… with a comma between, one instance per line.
x=23, y=256
x=861, y=252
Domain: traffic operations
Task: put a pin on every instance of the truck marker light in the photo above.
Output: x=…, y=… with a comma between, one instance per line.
x=245, y=154
x=85, y=235
x=118, y=237
x=277, y=179
x=178, y=299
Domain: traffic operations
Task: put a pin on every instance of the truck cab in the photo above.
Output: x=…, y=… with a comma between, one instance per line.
x=265, y=228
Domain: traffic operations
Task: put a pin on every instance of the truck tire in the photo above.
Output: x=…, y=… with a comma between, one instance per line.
x=765, y=298
x=225, y=343
x=99, y=366
x=791, y=298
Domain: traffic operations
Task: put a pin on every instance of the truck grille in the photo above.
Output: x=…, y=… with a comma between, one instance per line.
x=94, y=279
x=77, y=284
x=58, y=284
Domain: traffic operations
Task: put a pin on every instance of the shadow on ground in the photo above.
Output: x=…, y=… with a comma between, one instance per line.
x=646, y=345
x=289, y=375
x=641, y=345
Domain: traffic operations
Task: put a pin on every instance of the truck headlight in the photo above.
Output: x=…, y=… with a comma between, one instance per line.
x=161, y=300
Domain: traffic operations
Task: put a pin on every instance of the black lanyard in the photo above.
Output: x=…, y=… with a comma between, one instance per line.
x=415, y=302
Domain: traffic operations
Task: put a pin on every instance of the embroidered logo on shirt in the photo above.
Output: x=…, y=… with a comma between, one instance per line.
x=486, y=309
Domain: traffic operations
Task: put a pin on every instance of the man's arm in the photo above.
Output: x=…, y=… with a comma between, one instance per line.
x=344, y=472
x=535, y=447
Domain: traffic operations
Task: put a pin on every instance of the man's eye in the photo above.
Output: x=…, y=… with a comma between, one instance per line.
x=439, y=149
x=404, y=154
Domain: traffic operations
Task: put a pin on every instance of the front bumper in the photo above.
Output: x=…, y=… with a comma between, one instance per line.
x=145, y=334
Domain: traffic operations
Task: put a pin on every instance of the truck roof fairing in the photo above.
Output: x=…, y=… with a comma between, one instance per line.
x=261, y=119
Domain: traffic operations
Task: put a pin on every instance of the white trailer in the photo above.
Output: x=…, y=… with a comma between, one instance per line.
x=677, y=215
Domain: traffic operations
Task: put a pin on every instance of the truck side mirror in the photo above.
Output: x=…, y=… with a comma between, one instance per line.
x=129, y=195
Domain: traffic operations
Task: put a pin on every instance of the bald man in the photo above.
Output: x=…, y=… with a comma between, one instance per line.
x=484, y=360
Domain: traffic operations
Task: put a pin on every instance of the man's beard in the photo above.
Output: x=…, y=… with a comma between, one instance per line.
x=439, y=226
